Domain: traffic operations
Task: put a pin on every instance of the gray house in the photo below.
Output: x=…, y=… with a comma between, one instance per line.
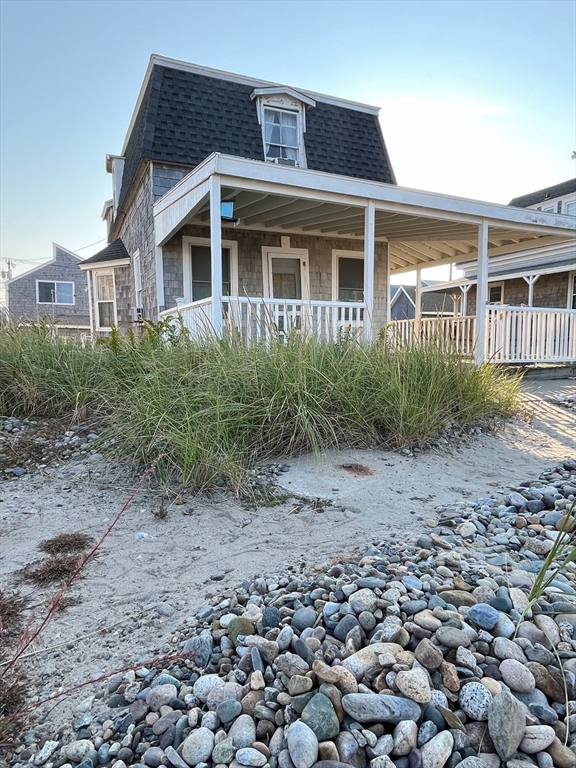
x=403, y=303
x=56, y=289
x=242, y=205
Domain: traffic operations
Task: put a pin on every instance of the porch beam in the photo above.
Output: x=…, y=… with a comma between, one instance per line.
x=334, y=218
x=369, y=266
x=531, y=279
x=159, y=268
x=293, y=213
x=481, y=293
x=465, y=287
x=407, y=255
x=318, y=214
x=216, y=252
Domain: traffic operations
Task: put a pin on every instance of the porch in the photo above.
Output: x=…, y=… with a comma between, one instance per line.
x=266, y=215
x=512, y=335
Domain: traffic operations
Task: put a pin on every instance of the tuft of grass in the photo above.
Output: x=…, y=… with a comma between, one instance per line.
x=13, y=698
x=12, y=608
x=66, y=543
x=56, y=569
x=212, y=408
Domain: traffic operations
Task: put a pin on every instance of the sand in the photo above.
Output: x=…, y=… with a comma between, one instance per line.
x=153, y=572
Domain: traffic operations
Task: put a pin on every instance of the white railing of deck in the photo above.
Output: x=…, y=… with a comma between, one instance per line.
x=459, y=332
x=255, y=319
x=530, y=335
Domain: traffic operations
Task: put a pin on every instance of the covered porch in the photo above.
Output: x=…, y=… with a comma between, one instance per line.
x=294, y=218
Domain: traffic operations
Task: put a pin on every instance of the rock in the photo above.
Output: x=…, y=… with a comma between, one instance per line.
x=161, y=695
x=45, y=753
x=320, y=716
x=204, y=685
x=371, y=708
x=475, y=700
x=563, y=756
x=537, y=738
x=517, y=676
x=363, y=600
x=428, y=654
x=506, y=723
x=77, y=750
x=302, y=619
x=484, y=616
x=251, y=757
x=365, y=661
x=452, y=637
x=459, y=598
x=154, y=757
x=302, y=745
x=174, y=758
x=243, y=732
x=436, y=752
x=198, y=746
x=414, y=684
x=200, y=648
x=405, y=737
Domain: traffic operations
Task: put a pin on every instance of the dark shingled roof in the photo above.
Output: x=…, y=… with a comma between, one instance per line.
x=112, y=252
x=541, y=195
x=185, y=116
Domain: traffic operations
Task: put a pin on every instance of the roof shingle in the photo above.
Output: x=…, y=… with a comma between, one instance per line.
x=541, y=195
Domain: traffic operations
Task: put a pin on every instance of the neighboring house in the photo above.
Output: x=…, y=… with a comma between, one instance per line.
x=433, y=304
x=241, y=204
x=539, y=277
x=56, y=290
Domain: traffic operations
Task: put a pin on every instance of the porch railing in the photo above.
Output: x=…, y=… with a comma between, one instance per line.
x=459, y=332
x=530, y=335
x=255, y=319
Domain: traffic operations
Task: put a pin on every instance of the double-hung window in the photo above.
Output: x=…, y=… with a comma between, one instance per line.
x=572, y=290
x=55, y=292
x=105, y=301
x=202, y=272
x=281, y=136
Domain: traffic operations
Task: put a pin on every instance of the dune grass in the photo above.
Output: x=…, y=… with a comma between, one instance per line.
x=212, y=408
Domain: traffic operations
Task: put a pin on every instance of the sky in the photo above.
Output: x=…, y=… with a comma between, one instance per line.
x=478, y=99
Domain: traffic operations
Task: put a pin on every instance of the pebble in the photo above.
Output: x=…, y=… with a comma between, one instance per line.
x=399, y=658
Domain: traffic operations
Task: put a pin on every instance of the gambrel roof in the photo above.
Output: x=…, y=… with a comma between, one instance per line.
x=185, y=113
x=541, y=195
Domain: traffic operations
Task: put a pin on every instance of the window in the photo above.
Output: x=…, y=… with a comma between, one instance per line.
x=105, y=300
x=53, y=292
x=350, y=279
x=496, y=293
x=281, y=136
x=572, y=290
x=202, y=272
x=570, y=208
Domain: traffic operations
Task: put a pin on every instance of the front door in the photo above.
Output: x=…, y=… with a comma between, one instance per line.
x=288, y=277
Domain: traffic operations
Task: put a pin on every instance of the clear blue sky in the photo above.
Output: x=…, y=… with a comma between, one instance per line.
x=478, y=98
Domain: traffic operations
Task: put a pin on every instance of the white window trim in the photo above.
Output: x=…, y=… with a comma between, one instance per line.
x=571, y=288
x=496, y=285
x=187, y=264
x=56, y=303
x=285, y=251
x=336, y=254
x=95, y=274
x=137, y=267
x=284, y=103
x=565, y=204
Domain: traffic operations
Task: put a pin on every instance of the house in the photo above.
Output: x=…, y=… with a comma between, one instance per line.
x=241, y=205
x=56, y=290
x=432, y=304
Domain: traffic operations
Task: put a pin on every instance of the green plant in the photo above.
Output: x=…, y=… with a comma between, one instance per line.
x=563, y=553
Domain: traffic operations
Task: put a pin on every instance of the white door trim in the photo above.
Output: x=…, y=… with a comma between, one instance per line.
x=187, y=264
x=285, y=251
x=336, y=254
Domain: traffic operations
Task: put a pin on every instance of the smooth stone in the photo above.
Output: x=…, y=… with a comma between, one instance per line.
x=458, y=598
x=345, y=625
x=453, y=637
x=370, y=707
x=435, y=753
x=349, y=750
x=414, y=684
x=427, y=731
x=506, y=723
x=203, y=686
x=405, y=737
x=270, y=618
x=243, y=732
x=474, y=762
x=503, y=648
x=223, y=752
x=365, y=661
x=303, y=618
x=174, y=758
x=475, y=700
x=537, y=738
x=77, y=750
x=154, y=757
x=200, y=648
x=363, y=600
x=563, y=756
x=228, y=710
x=198, y=746
x=160, y=695
x=302, y=745
x=517, y=676
x=428, y=654
x=320, y=716
x=483, y=615
x=251, y=757
x=240, y=626
x=504, y=627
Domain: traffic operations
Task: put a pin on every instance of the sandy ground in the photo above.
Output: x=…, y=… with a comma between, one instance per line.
x=153, y=573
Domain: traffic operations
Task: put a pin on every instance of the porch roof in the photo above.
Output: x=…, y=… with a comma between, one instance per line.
x=423, y=229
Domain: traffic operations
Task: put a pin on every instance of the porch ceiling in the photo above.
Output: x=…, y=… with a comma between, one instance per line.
x=423, y=229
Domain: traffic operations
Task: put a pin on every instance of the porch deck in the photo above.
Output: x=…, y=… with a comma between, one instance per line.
x=528, y=335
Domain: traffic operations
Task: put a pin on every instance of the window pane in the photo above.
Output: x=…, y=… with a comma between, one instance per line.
x=46, y=293
x=65, y=293
x=289, y=118
x=571, y=209
x=106, y=314
x=202, y=272
x=289, y=136
x=495, y=294
x=351, y=273
x=272, y=133
x=105, y=287
x=272, y=151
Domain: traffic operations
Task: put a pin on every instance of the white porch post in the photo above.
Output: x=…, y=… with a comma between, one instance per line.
x=530, y=279
x=90, y=303
x=388, y=247
x=418, y=296
x=216, y=252
x=464, y=289
x=369, y=266
x=481, y=292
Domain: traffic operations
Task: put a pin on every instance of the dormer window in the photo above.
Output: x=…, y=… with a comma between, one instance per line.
x=282, y=115
x=281, y=136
